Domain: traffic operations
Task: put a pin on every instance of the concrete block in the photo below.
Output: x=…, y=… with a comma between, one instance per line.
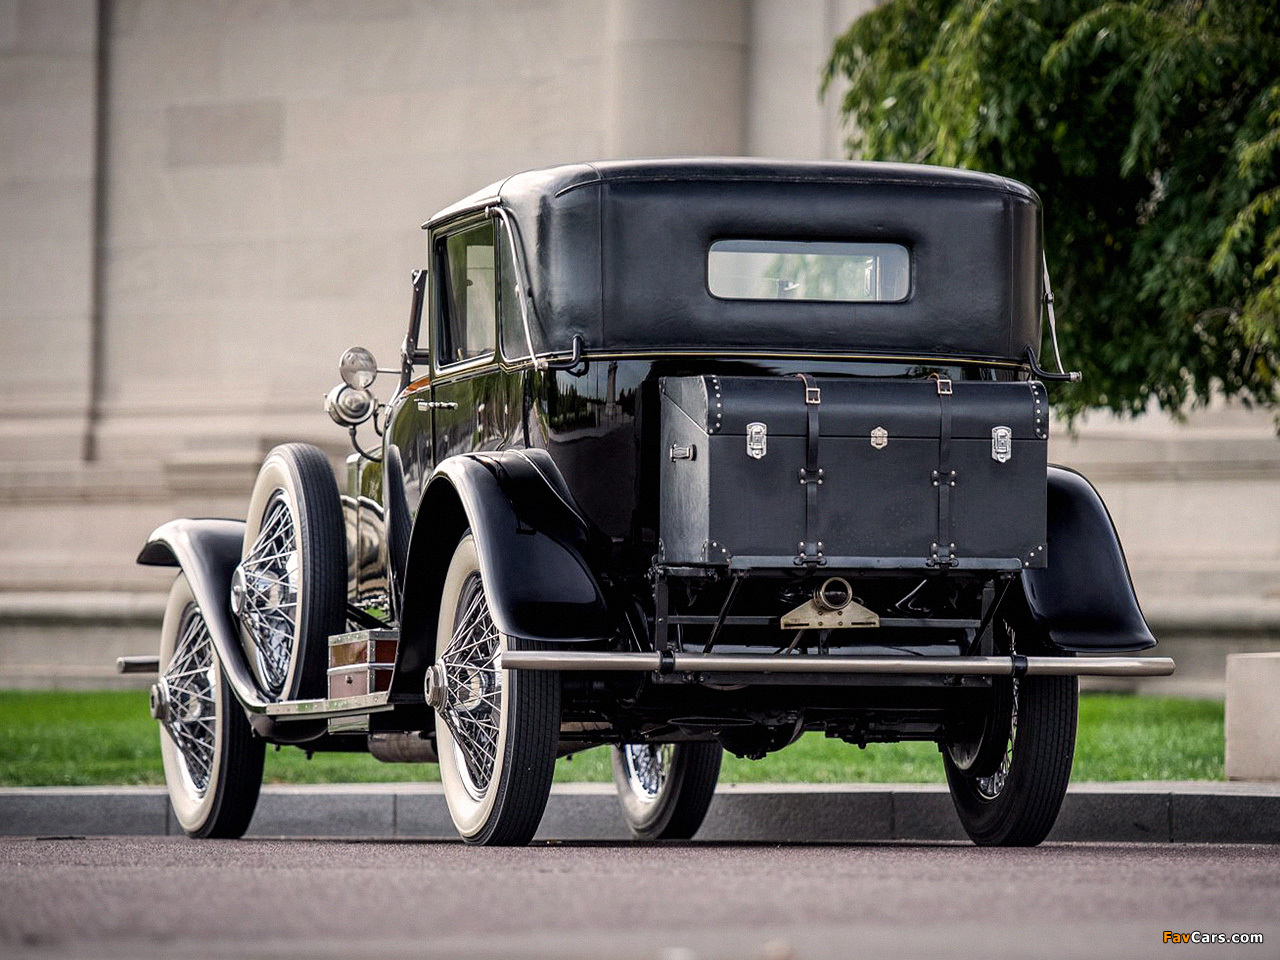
x=84, y=811
x=202, y=201
x=349, y=265
x=251, y=131
x=42, y=143
x=43, y=348
x=347, y=128
x=59, y=26
x=36, y=208
x=54, y=82
x=771, y=813
x=163, y=68
x=925, y=813
x=1100, y=814
x=136, y=142
x=302, y=811
x=8, y=25
x=681, y=21
x=673, y=100
x=1219, y=817
x=47, y=276
x=421, y=811
x=583, y=811
x=1253, y=716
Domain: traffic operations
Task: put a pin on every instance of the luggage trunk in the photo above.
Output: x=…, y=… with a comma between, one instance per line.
x=856, y=474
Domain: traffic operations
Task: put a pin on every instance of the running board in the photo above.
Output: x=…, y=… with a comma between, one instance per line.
x=337, y=707
x=806, y=663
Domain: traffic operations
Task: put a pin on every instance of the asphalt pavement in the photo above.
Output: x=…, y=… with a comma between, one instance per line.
x=177, y=898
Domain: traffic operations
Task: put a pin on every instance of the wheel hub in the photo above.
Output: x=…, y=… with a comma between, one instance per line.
x=434, y=686
x=159, y=700
x=238, y=591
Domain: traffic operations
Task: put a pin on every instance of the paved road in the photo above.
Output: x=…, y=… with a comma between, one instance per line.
x=174, y=898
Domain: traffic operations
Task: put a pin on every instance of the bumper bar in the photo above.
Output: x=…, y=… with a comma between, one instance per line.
x=137, y=664
x=747, y=663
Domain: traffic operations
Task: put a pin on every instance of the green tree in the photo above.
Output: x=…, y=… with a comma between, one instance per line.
x=1151, y=130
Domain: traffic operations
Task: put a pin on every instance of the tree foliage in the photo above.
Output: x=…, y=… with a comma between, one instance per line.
x=1151, y=130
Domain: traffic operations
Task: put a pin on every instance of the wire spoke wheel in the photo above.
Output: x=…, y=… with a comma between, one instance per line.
x=648, y=767
x=212, y=760
x=990, y=787
x=289, y=591
x=473, y=689
x=665, y=789
x=268, y=578
x=189, y=688
x=496, y=730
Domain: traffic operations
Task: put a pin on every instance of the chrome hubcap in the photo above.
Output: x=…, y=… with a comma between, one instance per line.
x=159, y=700
x=468, y=683
x=265, y=591
x=183, y=700
x=648, y=768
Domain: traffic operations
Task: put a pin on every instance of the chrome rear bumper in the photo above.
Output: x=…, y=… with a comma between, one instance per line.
x=806, y=663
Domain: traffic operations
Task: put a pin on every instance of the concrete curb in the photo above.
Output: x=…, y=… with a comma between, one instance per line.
x=1153, y=812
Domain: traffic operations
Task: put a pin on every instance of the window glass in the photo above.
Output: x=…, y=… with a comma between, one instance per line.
x=514, y=344
x=802, y=270
x=468, y=295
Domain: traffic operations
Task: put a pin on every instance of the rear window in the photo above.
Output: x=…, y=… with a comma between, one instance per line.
x=801, y=270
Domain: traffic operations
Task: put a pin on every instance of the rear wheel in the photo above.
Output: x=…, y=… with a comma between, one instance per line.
x=212, y=760
x=1010, y=797
x=496, y=729
x=665, y=789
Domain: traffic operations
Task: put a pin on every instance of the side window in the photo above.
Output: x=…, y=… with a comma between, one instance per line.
x=515, y=346
x=468, y=295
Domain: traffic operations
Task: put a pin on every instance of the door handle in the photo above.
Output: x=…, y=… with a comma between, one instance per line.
x=437, y=405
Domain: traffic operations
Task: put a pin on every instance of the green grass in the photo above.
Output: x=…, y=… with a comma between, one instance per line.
x=59, y=738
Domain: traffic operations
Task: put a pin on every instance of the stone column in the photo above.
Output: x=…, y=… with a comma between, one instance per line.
x=48, y=110
x=675, y=75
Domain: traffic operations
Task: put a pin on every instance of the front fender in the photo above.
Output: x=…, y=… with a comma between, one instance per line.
x=208, y=552
x=1085, y=596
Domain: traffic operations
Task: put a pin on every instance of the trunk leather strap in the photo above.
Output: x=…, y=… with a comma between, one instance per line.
x=944, y=478
x=811, y=549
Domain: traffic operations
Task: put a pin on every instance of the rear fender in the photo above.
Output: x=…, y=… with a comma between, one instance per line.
x=1085, y=596
x=533, y=546
x=208, y=551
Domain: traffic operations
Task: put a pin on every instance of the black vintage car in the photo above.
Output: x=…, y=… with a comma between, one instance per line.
x=684, y=457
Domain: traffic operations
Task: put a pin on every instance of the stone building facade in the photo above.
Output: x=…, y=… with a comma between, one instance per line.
x=202, y=202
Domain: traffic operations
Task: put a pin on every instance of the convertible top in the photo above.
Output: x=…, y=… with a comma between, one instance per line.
x=617, y=253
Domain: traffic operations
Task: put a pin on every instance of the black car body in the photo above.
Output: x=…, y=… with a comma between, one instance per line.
x=741, y=449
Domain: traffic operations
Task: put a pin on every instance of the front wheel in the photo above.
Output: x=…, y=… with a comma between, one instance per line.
x=665, y=789
x=212, y=760
x=496, y=729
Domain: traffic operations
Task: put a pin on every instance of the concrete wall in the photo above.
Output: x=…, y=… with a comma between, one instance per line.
x=48, y=98
x=263, y=169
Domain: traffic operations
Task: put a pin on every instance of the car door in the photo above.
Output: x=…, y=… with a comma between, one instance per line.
x=466, y=388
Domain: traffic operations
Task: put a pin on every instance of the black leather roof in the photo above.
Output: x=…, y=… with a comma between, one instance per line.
x=617, y=253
